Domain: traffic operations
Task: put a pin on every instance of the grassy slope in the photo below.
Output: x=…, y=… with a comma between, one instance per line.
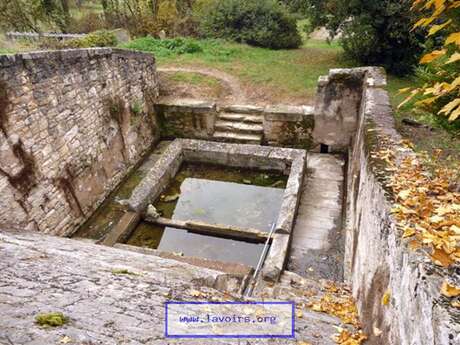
x=286, y=74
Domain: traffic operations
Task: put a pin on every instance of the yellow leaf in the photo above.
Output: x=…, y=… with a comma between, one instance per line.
x=420, y=22
x=427, y=101
x=455, y=304
x=65, y=340
x=432, y=56
x=450, y=106
x=455, y=83
x=441, y=258
x=454, y=115
x=386, y=298
x=408, y=98
x=404, y=194
x=449, y=290
x=409, y=232
x=453, y=38
x=436, y=219
x=299, y=314
x=455, y=229
x=455, y=57
x=435, y=28
x=443, y=210
x=404, y=90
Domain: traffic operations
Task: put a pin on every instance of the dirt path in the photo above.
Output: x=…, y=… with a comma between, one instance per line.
x=232, y=83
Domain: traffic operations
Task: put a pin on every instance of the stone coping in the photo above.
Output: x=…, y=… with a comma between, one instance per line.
x=271, y=112
x=68, y=54
x=291, y=162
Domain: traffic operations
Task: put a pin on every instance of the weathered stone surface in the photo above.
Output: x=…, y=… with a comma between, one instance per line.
x=123, y=229
x=289, y=127
x=242, y=109
x=69, y=134
x=377, y=260
x=187, y=118
x=274, y=263
x=291, y=195
x=318, y=240
x=157, y=178
x=337, y=105
x=84, y=281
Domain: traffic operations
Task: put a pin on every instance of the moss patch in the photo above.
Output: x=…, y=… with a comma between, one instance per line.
x=55, y=319
x=123, y=271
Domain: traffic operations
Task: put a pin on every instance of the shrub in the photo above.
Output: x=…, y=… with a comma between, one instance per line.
x=375, y=32
x=102, y=38
x=263, y=23
x=165, y=47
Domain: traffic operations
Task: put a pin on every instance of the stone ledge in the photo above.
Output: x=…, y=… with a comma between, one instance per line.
x=186, y=105
x=68, y=54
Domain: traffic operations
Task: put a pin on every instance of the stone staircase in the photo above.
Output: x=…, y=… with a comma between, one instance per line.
x=240, y=124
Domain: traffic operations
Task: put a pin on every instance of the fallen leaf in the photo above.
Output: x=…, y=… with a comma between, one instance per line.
x=65, y=340
x=377, y=331
x=409, y=232
x=386, y=298
x=441, y=258
x=449, y=290
x=455, y=304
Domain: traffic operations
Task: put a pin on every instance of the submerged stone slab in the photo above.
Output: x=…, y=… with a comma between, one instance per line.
x=123, y=229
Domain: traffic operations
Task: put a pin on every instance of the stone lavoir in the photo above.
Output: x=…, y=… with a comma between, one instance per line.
x=114, y=201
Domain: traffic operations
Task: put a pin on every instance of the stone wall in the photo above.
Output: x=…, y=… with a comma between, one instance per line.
x=377, y=259
x=186, y=118
x=72, y=123
x=289, y=126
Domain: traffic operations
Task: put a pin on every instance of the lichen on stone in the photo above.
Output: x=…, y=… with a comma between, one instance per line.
x=123, y=271
x=53, y=319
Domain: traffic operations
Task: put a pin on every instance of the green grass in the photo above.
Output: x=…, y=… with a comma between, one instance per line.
x=288, y=73
x=194, y=79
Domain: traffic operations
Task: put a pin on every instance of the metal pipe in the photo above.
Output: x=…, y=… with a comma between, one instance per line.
x=261, y=262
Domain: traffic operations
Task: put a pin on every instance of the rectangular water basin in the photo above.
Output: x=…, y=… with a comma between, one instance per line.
x=224, y=195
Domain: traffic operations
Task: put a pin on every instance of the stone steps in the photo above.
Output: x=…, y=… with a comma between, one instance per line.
x=240, y=124
x=238, y=137
x=245, y=118
x=239, y=127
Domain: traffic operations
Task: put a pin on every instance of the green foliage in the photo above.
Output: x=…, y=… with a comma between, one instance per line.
x=32, y=15
x=136, y=108
x=51, y=319
x=181, y=46
x=439, y=71
x=87, y=22
x=375, y=32
x=263, y=23
x=297, y=6
x=102, y=38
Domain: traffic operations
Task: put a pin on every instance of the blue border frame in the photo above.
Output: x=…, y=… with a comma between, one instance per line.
x=236, y=336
